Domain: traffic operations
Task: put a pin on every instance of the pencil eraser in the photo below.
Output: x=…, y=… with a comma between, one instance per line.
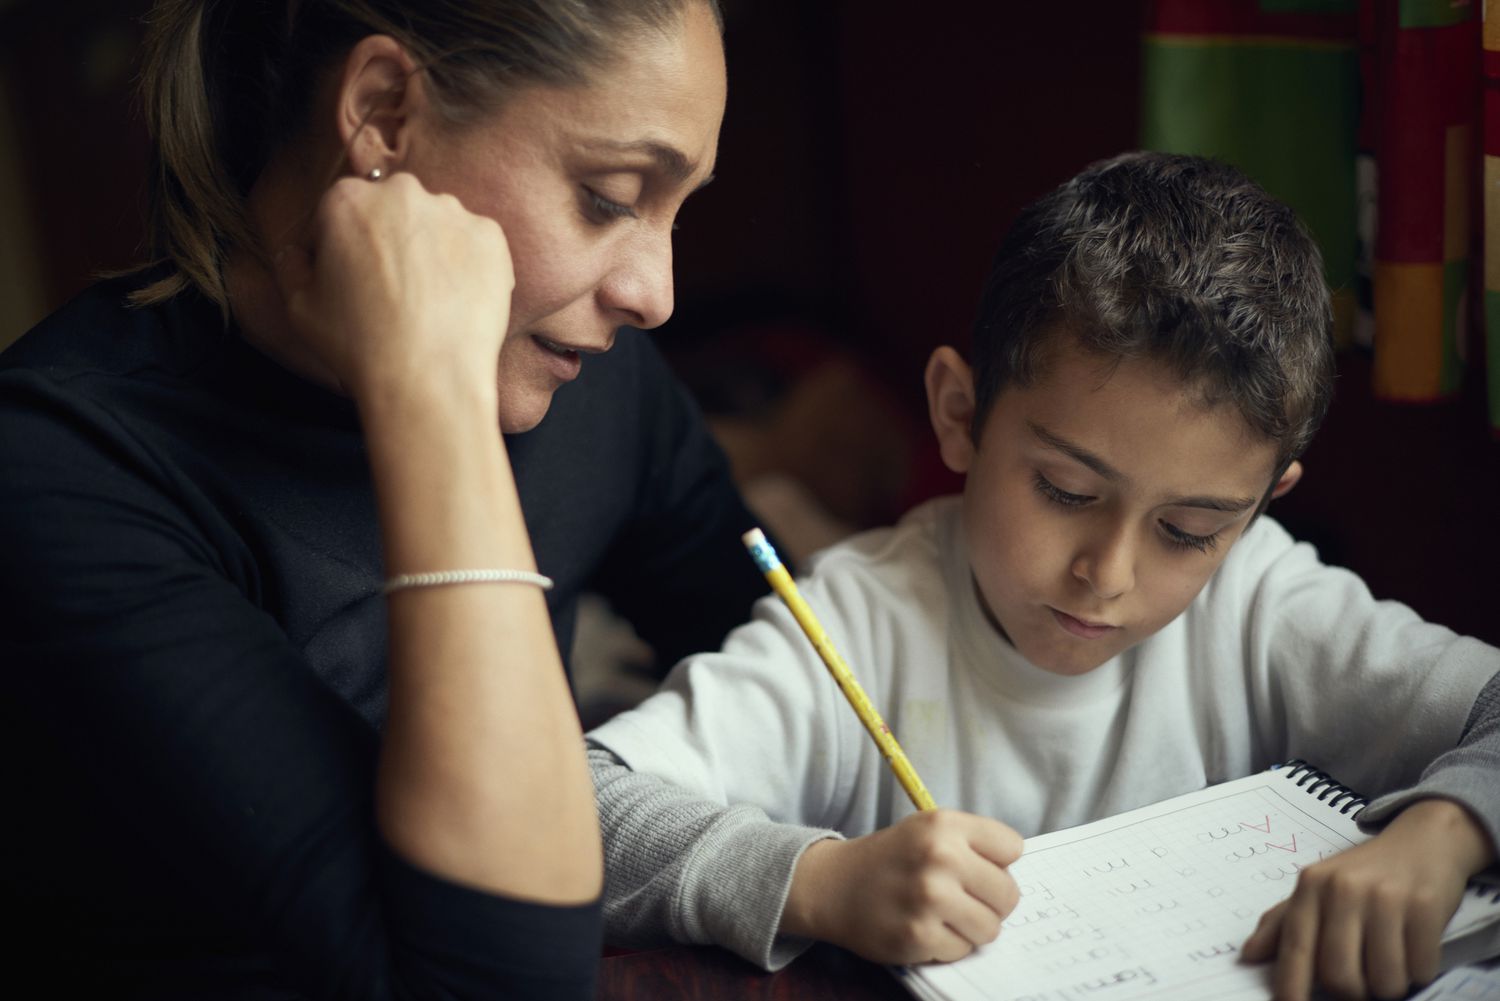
x=761, y=550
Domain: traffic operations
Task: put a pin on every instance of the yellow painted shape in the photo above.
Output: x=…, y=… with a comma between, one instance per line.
x=1408, y=331
x=1492, y=219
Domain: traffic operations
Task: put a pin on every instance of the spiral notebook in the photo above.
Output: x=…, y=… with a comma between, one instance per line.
x=1155, y=903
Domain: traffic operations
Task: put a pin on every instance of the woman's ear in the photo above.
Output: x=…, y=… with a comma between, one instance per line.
x=379, y=95
x=950, y=407
x=1288, y=479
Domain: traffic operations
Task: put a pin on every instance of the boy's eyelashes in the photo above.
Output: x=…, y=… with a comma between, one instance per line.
x=1186, y=540
x=1176, y=537
x=1055, y=493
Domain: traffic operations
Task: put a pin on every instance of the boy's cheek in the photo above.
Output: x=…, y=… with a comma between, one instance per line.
x=1175, y=589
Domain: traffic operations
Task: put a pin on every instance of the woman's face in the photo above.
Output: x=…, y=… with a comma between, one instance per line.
x=586, y=183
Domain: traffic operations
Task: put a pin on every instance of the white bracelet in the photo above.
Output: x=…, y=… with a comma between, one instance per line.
x=405, y=580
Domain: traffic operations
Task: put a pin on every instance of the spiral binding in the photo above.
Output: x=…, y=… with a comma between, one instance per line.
x=1323, y=785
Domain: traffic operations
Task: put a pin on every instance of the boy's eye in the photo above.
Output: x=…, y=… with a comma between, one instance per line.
x=1178, y=539
x=1057, y=495
x=607, y=210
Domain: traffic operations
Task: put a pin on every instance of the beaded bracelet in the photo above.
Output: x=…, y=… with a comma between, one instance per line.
x=439, y=577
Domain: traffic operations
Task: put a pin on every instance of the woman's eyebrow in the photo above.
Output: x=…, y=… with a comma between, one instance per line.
x=669, y=159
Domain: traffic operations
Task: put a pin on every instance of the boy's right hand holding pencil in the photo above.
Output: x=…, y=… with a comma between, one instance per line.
x=932, y=886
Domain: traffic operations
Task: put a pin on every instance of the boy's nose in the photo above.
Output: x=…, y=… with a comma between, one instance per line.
x=1107, y=566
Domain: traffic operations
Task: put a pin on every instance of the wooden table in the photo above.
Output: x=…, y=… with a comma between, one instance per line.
x=706, y=973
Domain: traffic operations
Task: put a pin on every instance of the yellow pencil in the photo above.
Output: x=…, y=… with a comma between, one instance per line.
x=781, y=582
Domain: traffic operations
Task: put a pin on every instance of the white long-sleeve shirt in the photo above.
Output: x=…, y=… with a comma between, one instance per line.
x=1279, y=657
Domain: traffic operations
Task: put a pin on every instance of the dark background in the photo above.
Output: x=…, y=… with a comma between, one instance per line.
x=872, y=155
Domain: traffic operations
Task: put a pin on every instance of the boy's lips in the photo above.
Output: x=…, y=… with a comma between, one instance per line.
x=1081, y=627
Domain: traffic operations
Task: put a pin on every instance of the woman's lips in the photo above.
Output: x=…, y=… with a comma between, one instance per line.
x=562, y=362
x=1080, y=627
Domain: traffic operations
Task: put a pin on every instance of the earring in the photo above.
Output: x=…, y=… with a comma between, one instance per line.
x=375, y=174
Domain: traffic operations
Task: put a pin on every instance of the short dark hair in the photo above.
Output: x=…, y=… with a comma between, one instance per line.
x=1178, y=259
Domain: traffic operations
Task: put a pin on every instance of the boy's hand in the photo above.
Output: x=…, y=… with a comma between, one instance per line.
x=1368, y=922
x=931, y=887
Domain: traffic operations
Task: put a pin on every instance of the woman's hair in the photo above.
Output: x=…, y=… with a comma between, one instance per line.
x=227, y=82
x=1176, y=259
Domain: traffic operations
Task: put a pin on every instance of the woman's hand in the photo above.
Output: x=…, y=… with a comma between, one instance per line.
x=403, y=298
x=931, y=887
x=396, y=282
x=1368, y=922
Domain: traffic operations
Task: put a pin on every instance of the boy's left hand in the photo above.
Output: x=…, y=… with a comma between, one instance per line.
x=1368, y=922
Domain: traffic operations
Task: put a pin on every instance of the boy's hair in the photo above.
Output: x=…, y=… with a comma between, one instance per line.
x=1176, y=259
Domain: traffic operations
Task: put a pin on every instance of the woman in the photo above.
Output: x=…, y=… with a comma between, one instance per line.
x=288, y=716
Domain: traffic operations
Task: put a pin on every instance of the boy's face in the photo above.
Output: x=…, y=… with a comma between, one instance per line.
x=1097, y=501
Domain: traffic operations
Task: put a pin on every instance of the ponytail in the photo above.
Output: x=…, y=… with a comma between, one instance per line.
x=198, y=196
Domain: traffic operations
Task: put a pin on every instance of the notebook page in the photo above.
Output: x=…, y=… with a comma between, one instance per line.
x=1466, y=984
x=1153, y=903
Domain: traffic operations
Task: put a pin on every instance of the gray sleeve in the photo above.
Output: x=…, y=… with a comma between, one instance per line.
x=681, y=867
x=1468, y=774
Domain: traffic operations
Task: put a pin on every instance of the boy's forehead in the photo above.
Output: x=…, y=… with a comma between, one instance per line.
x=1138, y=418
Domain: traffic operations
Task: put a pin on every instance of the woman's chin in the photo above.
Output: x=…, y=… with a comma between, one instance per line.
x=523, y=410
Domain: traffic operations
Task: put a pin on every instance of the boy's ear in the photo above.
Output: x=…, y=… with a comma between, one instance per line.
x=950, y=407
x=378, y=97
x=1288, y=479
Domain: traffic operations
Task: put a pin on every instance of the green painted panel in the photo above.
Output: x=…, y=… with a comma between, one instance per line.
x=1436, y=13
x=1309, y=6
x=1286, y=115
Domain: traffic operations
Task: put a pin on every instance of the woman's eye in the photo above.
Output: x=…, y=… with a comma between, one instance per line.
x=1057, y=495
x=608, y=210
x=1178, y=539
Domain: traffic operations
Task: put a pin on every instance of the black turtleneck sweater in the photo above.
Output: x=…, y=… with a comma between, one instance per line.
x=194, y=653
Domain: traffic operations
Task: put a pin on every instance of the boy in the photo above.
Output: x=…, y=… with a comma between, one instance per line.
x=1102, y=620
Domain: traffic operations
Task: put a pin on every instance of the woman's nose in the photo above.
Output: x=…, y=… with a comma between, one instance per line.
x=640, y=284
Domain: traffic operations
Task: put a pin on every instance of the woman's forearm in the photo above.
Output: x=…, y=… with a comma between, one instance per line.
x=482, y=777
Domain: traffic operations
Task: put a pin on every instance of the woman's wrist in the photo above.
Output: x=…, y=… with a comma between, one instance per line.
x=426, y=395
x=446, y=492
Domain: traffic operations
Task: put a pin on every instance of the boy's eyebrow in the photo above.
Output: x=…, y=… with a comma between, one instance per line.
x=1230, y=505
x=1083, y=455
